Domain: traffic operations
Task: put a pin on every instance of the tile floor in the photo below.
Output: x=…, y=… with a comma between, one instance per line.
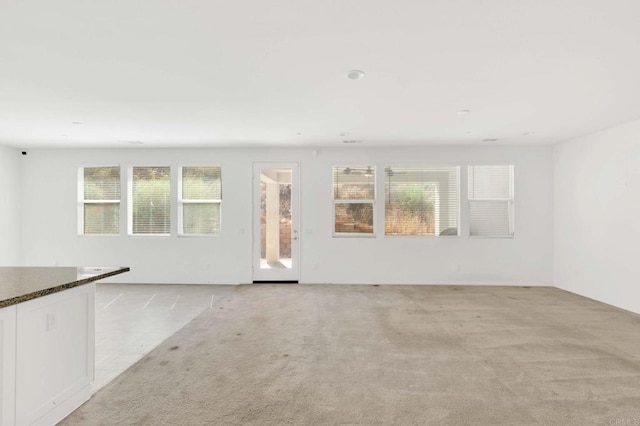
x=282, y=263
x=132, y=319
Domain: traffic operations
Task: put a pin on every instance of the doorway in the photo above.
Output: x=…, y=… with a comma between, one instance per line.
x=275, y=222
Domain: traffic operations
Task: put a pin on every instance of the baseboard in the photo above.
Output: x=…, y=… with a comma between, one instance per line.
x=65, y=408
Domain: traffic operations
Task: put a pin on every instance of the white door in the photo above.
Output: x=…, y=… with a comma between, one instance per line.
x=276, y=242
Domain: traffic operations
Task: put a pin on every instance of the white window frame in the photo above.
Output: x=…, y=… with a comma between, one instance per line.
x=510, y=201
x=82, y=201
x=354, y=201
x=182, y=202
x=130, y=200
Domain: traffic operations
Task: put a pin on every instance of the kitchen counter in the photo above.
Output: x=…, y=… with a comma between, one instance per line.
x=19, y=284
x=47, y=341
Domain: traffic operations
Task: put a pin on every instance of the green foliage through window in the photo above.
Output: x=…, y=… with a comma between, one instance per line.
x=151, y=200
x=201, y=199
x=421, y=200
x=101, y=201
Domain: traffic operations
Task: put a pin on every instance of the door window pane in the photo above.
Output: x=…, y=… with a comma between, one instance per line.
x=275, y=218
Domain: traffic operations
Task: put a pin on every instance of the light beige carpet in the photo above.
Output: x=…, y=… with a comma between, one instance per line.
x=367, y=355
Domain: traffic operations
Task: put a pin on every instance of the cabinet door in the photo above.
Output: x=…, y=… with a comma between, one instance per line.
x=7, y=365
x=55, y=347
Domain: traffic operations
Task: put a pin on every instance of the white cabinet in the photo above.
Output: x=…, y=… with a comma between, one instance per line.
x=7, y=365
x=47, y=348
x=55, y=347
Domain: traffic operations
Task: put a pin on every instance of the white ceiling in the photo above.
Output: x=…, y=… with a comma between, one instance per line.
x=257, y=73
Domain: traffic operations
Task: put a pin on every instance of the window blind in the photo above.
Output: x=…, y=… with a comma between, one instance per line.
x=421, y=201
x=491, y=206
x=101, y=201
x=354, y=197
x=201, y=189
x=151, y=200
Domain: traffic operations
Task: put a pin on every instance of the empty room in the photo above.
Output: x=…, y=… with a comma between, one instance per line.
x=330, y=212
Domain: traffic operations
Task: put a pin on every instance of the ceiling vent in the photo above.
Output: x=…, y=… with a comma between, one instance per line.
x=352, y=141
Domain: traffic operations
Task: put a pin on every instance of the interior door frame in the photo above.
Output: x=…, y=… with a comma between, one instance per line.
x=291, y=275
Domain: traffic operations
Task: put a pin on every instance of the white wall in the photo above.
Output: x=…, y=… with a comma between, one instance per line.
x=10, y=206
x=597, y=216
x=50, y=215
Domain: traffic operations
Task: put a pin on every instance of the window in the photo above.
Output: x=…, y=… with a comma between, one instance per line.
x=353, y=200
x=99, y=201
x=200, y=198
x=491, y=207
x=421, y=201
x=150, y=206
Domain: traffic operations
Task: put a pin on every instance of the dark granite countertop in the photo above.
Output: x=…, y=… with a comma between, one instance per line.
x=22, y=283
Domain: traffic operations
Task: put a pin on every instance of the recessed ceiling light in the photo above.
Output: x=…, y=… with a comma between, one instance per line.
x=299, y=133
x=463, y=112
x=528, y=133
x=135, y=142
x=352, y=141
x=490, y=140
x=468, y=132
x=345, y=134
x=77, y=123
x=355, y=75
x=64, y=135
